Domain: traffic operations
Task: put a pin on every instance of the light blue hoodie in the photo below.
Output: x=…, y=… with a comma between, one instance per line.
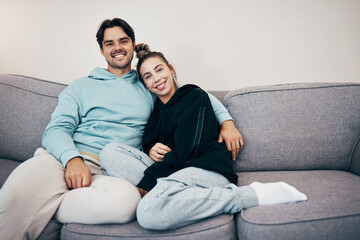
x=99, y=109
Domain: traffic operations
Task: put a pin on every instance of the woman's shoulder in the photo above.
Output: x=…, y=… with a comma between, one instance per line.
x=190, y=90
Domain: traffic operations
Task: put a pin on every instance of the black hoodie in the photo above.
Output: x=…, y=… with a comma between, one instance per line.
x=186, y=124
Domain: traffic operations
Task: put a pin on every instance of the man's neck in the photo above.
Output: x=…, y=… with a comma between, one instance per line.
x=120, y=72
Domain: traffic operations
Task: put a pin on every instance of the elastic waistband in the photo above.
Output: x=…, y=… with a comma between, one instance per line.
x=96, y=157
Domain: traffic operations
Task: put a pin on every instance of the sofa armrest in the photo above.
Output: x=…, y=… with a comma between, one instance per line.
x=355, y=159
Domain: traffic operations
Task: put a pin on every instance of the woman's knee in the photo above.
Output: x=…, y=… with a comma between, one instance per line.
x=148, y=216
x=155, y=211
x=113, y=153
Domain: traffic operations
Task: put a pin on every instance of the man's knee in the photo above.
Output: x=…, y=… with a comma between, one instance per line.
x=42, y=172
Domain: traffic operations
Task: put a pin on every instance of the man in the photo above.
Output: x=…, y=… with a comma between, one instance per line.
x=110, y=105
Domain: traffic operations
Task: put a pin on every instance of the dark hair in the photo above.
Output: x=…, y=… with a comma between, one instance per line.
x=110, y=23
x=143, y=52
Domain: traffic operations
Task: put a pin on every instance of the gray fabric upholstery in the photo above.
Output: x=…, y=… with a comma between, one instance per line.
x=309, y=131
x=296, y=126
x=355, y=160
x=221, y=227
x=26, y=106
x=6, y=167
x=333, y=205
x=52, y=231
x=220, y=95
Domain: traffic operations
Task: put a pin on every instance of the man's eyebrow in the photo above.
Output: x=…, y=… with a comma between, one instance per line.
x=125, y=38
x=108, y=41
x=121, y=39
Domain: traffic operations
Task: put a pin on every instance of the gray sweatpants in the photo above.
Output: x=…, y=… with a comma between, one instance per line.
x=182, y=198
x=36, y=188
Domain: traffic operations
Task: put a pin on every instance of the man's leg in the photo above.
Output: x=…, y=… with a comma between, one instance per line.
x=122, y=161
x=190, y=195
x=30, y=197
x=107, y=200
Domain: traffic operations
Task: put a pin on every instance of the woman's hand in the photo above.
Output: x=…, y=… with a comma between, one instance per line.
x=142, y=192
x=158, y=151
x=232, y=137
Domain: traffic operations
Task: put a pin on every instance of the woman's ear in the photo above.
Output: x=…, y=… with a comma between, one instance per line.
x=171, y=69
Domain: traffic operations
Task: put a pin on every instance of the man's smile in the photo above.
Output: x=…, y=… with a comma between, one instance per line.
x=118, y=55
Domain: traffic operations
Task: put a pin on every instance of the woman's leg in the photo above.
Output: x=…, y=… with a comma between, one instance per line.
x=190, y=195
x=122, y=161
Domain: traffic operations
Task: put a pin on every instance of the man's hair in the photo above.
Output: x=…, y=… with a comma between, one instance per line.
x=110, y=23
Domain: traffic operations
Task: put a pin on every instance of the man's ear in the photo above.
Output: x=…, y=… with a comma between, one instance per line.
x=102, y=51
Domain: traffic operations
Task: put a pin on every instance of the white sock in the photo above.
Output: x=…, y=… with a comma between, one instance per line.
x=276, y=193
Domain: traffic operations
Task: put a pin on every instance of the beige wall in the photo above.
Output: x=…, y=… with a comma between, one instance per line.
x=217, y=44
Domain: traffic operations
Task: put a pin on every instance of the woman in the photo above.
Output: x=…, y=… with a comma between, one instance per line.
x=188, y=171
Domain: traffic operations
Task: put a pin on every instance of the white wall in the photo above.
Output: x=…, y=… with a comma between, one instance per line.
x=217, y=44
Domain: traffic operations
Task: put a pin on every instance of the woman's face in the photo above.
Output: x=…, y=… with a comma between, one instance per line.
x=157, y=77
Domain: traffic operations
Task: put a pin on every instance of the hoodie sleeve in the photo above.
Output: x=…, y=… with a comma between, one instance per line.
x=195, y=128
x=57, y=138
x=221, y=113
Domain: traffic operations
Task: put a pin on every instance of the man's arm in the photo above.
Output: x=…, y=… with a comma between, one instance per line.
x=228, y=132
x=57, y=140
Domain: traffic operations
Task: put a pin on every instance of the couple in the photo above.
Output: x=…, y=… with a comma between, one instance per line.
x=113, y=106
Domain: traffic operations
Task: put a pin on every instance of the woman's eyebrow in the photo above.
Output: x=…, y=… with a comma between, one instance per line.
x=154, y=69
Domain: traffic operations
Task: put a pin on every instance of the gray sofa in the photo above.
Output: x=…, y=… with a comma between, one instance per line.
x=304, y=134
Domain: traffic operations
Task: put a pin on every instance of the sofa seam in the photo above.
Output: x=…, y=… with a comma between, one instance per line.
x=226, y=99
x=352, y=153
x=38, y=79
x=26, y=90
x=302, y=221
x=159, y=236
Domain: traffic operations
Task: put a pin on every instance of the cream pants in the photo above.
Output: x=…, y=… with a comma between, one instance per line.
x=36, y=190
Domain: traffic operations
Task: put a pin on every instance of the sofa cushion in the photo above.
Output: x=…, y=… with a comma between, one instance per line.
x=296, y=126
x=355, y=159
x=6, y=167
x=332, y=210
x=26, y=107
x=220, y=227
x=51, y=231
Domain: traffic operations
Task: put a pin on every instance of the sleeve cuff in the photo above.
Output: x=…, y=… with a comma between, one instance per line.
x=147, y=183
x=223, y=117
x=70, y=154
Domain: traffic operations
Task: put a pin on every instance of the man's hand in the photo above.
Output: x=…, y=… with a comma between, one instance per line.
x=232, y=137
x=77, y=174
x=158, y=151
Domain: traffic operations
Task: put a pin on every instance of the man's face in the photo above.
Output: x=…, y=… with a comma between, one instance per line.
x=118, y=50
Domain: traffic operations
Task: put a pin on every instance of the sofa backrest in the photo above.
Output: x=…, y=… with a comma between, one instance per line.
x=296, y=126
x=26, y=105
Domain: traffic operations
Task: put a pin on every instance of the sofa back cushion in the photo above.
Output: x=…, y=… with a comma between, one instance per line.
x=296, y=126
x=26, y=106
